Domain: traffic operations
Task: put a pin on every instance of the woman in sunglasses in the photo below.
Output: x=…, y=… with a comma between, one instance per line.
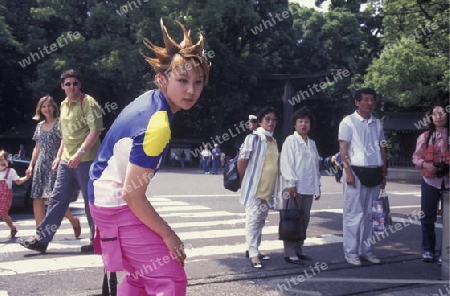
x=258, y=170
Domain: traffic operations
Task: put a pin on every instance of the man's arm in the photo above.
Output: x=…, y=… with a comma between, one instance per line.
x=383, y=157
x=343, y=149
x=90, y=140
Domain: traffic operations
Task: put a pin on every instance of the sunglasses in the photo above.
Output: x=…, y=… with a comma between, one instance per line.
x=268, y=118
x=71, y=83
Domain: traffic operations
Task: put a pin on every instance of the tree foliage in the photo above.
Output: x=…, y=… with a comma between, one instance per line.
x=103, y=39
x=412, y=69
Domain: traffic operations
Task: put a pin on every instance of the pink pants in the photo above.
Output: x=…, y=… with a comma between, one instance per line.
x=129, y=245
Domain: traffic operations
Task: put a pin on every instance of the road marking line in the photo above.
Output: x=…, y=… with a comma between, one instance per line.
x=368, y=280
x=43, y=264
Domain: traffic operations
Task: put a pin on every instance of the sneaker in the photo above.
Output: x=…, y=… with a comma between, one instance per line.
x=33, y=244
x=427, y=257
x=372, y=259
x=355, y=261
x=87, y=248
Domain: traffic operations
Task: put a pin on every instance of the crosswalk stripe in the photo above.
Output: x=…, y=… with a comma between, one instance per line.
x=87, y=261
x=233, y=222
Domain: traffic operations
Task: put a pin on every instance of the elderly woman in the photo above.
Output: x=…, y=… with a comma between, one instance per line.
x=299, y=167
x=258, y=170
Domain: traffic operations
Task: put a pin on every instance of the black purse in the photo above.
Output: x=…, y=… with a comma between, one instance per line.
x=291, y=226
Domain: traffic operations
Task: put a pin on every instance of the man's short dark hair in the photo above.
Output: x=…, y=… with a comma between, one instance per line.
x=70, y=74
x=265, y=111
x=365, y=91
x=302, y=113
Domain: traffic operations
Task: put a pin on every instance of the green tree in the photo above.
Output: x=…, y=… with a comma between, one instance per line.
x=412, y=69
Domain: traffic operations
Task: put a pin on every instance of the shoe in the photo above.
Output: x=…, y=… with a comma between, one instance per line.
x=13, y=233
x=304, y=257
x=427, y=257
x=77, y=228
x=260, y=256
x=33, y=244
x=87, y=248
x=293, y=261
x=256, y=265
x=355, y=261
x=372, y=259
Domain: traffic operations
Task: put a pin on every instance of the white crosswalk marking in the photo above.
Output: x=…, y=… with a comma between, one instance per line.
x=190, y=227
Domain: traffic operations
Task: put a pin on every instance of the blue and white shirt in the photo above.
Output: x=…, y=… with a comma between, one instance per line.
x=139, y=135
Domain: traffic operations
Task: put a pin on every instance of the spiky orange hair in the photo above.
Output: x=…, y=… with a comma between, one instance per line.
x=186, y=49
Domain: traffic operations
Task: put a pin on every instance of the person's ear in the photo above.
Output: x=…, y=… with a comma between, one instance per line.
x=161, y=80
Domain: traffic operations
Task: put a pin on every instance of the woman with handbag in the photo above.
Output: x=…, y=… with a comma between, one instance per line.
x=299, y=167
x=432, y=157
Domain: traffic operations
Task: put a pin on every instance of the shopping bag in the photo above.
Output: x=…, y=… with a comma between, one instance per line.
x=291, y=226
x=381, y=213
x=377, y=216
x=386, y=208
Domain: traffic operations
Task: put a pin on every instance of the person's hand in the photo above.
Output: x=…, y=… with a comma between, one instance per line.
x=75, y=160
x=292, y=192
x=176, y=247
x=317, y=197
x=55, y=164
x=29, y=172
x=429, y=167
x=350, y=179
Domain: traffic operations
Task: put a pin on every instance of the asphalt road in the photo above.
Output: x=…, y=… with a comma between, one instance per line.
x=210, y=221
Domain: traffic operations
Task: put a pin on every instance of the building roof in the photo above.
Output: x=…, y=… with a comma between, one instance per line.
x=405, y=121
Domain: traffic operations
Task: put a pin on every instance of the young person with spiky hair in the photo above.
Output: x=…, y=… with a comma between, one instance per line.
x=132, y=234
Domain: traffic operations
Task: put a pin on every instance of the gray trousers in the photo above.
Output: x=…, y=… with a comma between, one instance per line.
x=68, y=180
x=357, y=220
x=256, y=214
x=304, y=202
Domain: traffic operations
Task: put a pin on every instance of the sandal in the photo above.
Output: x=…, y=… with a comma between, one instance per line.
x=13, y=233
x=77, y=228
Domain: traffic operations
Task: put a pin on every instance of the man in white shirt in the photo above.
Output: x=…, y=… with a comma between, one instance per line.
x=360, y=145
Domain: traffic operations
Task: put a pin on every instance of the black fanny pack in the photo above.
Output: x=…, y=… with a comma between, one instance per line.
x=369, y=177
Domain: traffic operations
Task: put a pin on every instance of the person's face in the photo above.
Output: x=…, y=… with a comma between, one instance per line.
x=269, y=122
x=439, y=116
x=302, y=126
x=72, y=87
x=253, y=125
x=3, y=162
x=47, y=109
x=366, y=105
x=182, y=88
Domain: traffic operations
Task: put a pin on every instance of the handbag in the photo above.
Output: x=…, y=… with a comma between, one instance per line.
x=369, y=177
x=231, y=176
x=291, y=226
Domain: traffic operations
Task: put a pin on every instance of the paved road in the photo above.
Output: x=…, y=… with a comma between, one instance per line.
x=211, y=223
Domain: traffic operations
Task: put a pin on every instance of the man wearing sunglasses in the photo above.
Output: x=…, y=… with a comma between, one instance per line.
x=81, y=125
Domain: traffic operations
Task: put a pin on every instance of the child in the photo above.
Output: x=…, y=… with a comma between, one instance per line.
x=7, y=175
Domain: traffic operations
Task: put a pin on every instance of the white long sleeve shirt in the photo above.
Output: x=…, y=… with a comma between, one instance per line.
x=299, y=165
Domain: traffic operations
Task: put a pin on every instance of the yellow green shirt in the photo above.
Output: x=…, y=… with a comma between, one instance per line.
x=269, y=172
x=76, y=123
